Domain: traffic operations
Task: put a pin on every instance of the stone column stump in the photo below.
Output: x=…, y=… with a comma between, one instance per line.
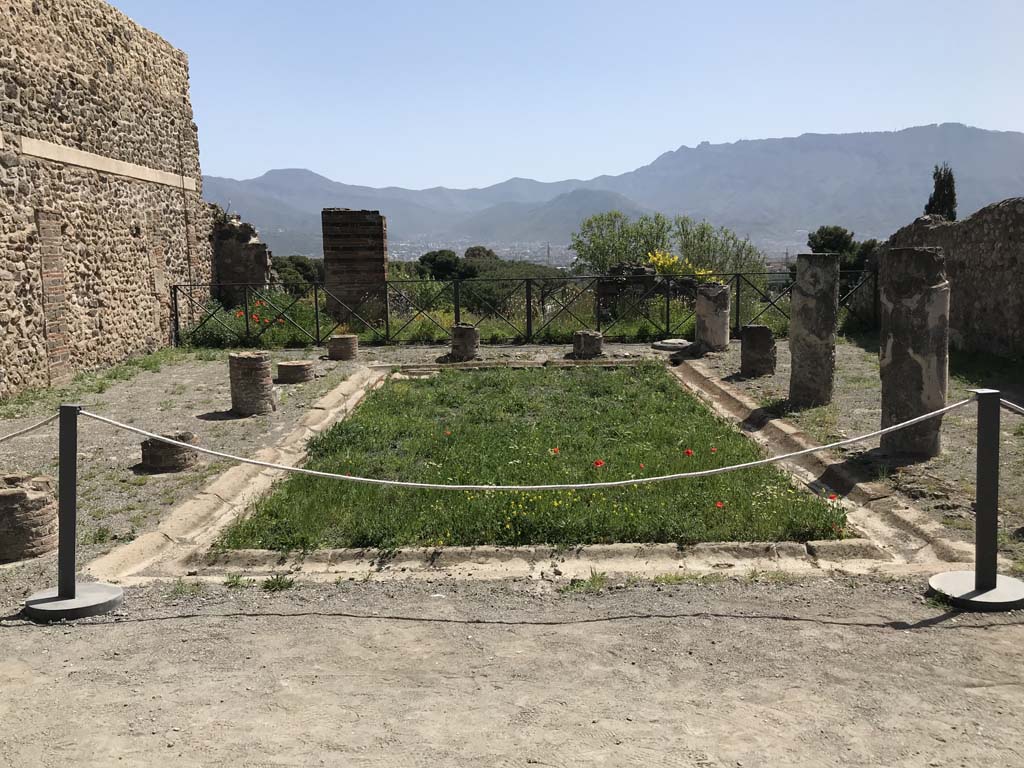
x=344, y=346
x=465, y=342
x=295, y=371
x=158, y=456
x=28, y=517
x=586, y=345
x=757, y=351
x=252, y=386
x=812, y=329
x=914, y=347
x=712, y=310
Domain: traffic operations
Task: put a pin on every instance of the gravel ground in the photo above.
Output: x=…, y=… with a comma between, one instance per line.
x=943, y=486
x=737, y=673
x=116, y=502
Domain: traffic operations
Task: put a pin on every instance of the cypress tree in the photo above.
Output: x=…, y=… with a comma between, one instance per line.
x=943, y=198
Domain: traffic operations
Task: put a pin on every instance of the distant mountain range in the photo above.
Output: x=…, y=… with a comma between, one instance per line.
x=771, y=190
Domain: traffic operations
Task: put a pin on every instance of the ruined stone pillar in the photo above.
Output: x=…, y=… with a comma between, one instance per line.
x=913, y=347
x=812, y=329
x=465, y=342
x=355, y=263
x=28, y=517
x=344, y=346
x=158, y=456
x=757, y=351
x=712, y=312
x=252, y=387
x=295, y=371
x=587, y=345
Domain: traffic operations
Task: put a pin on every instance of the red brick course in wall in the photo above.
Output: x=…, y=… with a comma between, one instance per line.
x=54, y=295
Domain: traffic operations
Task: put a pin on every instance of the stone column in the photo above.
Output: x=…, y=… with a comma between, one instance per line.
x=465, y=342
x=28, y=517
x=913, y=347
x=158, y=456
x=252, y=386
x=344, y=346
x=587, y=345
x=355, y=263
x=812, y=329
x=295, y=371
x=757, y=351
x=712, y=312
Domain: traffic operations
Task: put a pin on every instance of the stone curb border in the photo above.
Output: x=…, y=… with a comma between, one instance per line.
x=195, y=524
x=871, y=497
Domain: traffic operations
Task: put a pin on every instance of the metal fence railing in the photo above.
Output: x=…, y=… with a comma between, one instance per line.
x=517, y=310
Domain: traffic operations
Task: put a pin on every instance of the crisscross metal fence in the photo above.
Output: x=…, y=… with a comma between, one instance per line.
x=506, y=310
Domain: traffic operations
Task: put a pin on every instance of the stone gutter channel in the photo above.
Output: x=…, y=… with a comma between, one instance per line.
x=893, y=538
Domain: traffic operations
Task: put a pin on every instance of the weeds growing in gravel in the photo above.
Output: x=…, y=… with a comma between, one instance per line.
x=182, y=588
x=235, y=581
x=591, y=585
x=278, y=583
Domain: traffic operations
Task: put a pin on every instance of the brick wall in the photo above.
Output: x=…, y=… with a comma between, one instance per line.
x=355, y=262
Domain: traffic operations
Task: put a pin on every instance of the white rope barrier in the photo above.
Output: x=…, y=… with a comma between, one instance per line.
x=33, y=428
x=1012, y=406
x=552, y=487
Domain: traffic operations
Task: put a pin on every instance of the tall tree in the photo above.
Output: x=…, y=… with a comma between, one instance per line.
x=831, y=238
x=602, y=241
x=942, y=200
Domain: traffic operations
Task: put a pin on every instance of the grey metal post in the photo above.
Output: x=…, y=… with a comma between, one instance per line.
x=67, y=502
x=739, y=279
x=457, y=296
x=986, y=504
x=316, y=311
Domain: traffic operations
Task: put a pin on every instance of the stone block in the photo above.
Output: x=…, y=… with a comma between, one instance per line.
x=295, y=371
x=757, y=351
x=252, y=386
x=28, y=517
x=158, y=456
x=712, y=311
x=344, y=346
x=586, y=345
x=465, y=342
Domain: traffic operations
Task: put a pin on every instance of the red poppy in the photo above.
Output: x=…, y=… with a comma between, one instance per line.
x=554, y=451
x=641, y=466
x=719, y=504
x=832, y=497
x=239, y=313
x=280, y=321
x=599, y=463
x=688, y=452
x=714, y=450
x=447, y=433
x=266, y=321
x=256, y=317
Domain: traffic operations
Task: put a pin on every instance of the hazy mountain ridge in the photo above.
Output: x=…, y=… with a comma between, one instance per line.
x=768, y=189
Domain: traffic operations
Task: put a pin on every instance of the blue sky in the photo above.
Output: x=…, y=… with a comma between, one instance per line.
x=427, y=93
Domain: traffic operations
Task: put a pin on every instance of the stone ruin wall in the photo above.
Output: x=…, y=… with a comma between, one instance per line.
x=100, y=189
x=985, y=265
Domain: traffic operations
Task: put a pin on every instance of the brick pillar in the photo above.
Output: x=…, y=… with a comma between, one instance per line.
x=54, y=296
x=355, y=263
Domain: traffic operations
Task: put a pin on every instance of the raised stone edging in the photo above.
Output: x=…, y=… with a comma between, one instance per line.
x=877, y=507
x=196, y=523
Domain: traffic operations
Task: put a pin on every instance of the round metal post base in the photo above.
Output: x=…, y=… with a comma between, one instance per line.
x=92, y=598
x=957, y=587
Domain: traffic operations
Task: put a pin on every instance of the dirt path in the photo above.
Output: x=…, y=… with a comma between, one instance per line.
x=825, y=672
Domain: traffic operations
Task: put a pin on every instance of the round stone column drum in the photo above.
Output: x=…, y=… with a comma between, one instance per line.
x=465, y=342
x=252, y=386
x=344, y=346
x=158, y=456
x=28, y=517
x=295, y=371
x=586, y=345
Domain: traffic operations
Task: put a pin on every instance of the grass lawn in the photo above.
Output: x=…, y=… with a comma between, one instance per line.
x=526, y=427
